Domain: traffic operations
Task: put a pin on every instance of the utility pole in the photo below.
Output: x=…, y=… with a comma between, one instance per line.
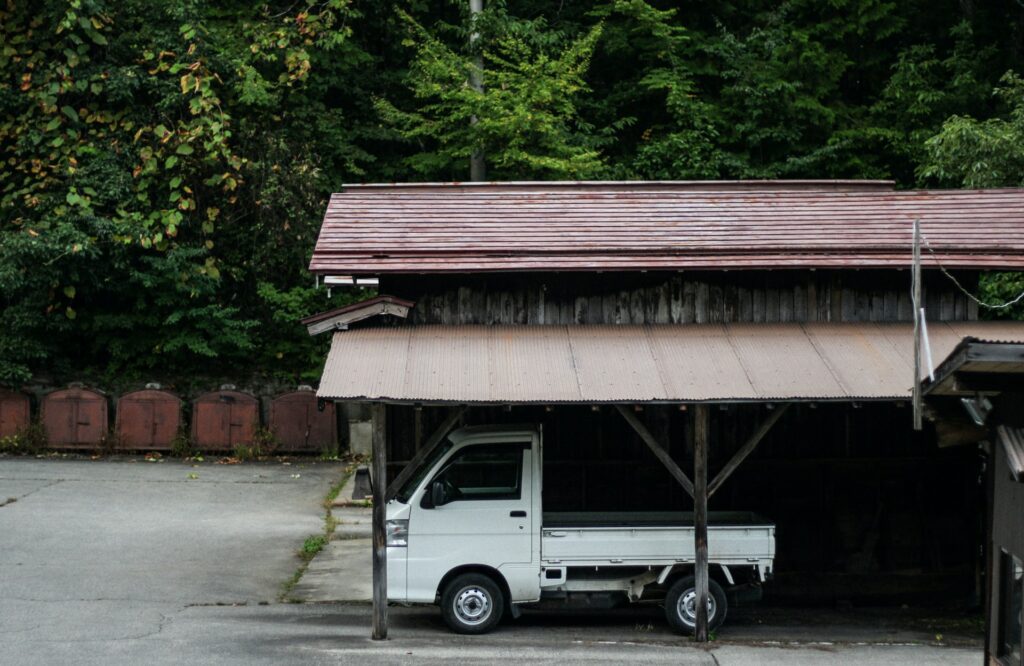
x=915, y=286
x=477, y=167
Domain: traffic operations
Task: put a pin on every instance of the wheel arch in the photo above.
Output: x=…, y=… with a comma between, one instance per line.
x=483, y=569
x=715, y=573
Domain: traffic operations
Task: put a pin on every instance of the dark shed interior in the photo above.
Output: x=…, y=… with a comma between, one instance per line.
x=867, y=510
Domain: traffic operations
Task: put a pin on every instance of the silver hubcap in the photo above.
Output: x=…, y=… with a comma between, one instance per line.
x=687, y=606
x=472, y=605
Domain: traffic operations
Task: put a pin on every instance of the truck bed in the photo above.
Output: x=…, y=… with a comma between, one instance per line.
x=654, y=539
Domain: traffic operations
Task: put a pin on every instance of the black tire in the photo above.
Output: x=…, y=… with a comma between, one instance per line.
x=472, y=604
x=680, y=605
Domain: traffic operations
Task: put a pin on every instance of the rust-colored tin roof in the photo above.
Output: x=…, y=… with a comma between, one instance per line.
x=632, y=363
x=588, y=226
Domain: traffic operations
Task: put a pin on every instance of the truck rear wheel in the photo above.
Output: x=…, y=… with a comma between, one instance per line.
x=472, y=604
x=681, y=605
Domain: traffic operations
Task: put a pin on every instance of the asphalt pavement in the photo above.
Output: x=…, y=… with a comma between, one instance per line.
x=94, y=553
x=120, y=562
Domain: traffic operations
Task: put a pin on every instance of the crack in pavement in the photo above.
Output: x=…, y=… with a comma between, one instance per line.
x=162, y=623
x=12, y=500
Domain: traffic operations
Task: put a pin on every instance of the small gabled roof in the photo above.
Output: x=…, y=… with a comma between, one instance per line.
x=340, y=318
x=629, y=226
x=982, y=364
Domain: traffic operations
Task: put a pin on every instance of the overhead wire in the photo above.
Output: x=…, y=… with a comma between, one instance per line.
x=990, y=306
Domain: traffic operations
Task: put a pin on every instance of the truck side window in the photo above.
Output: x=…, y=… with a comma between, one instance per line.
x=488, y=472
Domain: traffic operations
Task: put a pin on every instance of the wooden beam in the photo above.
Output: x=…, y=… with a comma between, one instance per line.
x=657, y=449
x=380, y=551
x=424, y=452
x=747, y=448
x=701, y=419
x=987, y=382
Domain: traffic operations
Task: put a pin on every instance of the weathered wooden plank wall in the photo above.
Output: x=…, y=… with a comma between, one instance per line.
x=662, y=298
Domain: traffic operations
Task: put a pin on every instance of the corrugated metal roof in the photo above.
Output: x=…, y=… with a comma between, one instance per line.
x=453, y=227
x=976, y=360
x=631, y=363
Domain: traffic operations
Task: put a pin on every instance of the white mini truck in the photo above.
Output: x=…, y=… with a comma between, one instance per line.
x=468, y=532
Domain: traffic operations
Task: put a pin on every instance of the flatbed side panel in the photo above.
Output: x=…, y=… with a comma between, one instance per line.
x=652, y=545
x=650, y=519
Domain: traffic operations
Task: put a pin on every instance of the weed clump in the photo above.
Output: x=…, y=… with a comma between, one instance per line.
x=28, y=441
x=312, y=545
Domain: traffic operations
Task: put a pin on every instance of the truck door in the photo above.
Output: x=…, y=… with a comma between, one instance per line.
x=483, y=515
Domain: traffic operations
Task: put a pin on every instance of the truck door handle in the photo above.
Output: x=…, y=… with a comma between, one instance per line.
x=517, y=514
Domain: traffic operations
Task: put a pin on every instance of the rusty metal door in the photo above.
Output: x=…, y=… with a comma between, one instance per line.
x=14, y=413
x=147, y=419
x=222, y=420
x=298, y=425
x=74, y=418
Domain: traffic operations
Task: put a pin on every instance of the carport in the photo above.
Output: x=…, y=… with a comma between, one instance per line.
x=690, y=367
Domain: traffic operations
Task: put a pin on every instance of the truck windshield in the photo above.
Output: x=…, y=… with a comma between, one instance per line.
x=406, y=491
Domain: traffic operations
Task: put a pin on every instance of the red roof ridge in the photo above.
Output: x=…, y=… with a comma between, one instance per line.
x=753, y=184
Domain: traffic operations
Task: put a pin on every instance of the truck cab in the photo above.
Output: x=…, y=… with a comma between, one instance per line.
x=468, y=532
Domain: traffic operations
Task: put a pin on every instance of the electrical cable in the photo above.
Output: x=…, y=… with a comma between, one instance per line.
x=999, y=306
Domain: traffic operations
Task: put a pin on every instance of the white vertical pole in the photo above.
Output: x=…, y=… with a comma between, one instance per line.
x=927, y=346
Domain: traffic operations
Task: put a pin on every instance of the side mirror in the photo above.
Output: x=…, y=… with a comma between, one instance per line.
x=437, y=494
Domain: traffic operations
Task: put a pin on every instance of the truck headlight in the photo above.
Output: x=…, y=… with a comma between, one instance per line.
x=396, y=533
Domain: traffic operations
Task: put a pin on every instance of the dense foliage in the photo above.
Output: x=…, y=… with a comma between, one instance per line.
x=165, y=165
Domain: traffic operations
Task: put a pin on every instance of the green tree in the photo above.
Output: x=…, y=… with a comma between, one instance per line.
x=973, y=153
x=968, y=152
x=142, y=168
x=525, y=120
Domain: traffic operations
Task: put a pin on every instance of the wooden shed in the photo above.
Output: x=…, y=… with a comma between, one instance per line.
x=654, y=328
x=75, y=418
x=977, y=392
x=222, y=420
x=148, y=419
x=14, y=413
x=299, y=425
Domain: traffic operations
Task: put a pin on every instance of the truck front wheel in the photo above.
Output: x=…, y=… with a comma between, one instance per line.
x=472, y=604
x=681, y=605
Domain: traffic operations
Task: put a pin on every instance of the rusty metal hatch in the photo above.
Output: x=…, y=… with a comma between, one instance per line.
x=299, y=426
x=222, y=420
x=14, y=413
x=147, y=419
x=74, y=418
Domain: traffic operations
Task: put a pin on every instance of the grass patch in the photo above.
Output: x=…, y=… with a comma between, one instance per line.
x=313, y=545
x=335, y=490
x=317, y=542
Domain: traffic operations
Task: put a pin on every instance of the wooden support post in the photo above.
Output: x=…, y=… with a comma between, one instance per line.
x=380, y=551
x=745, y=450
x=424, y=452
x=701, y=418
x=657, y=449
